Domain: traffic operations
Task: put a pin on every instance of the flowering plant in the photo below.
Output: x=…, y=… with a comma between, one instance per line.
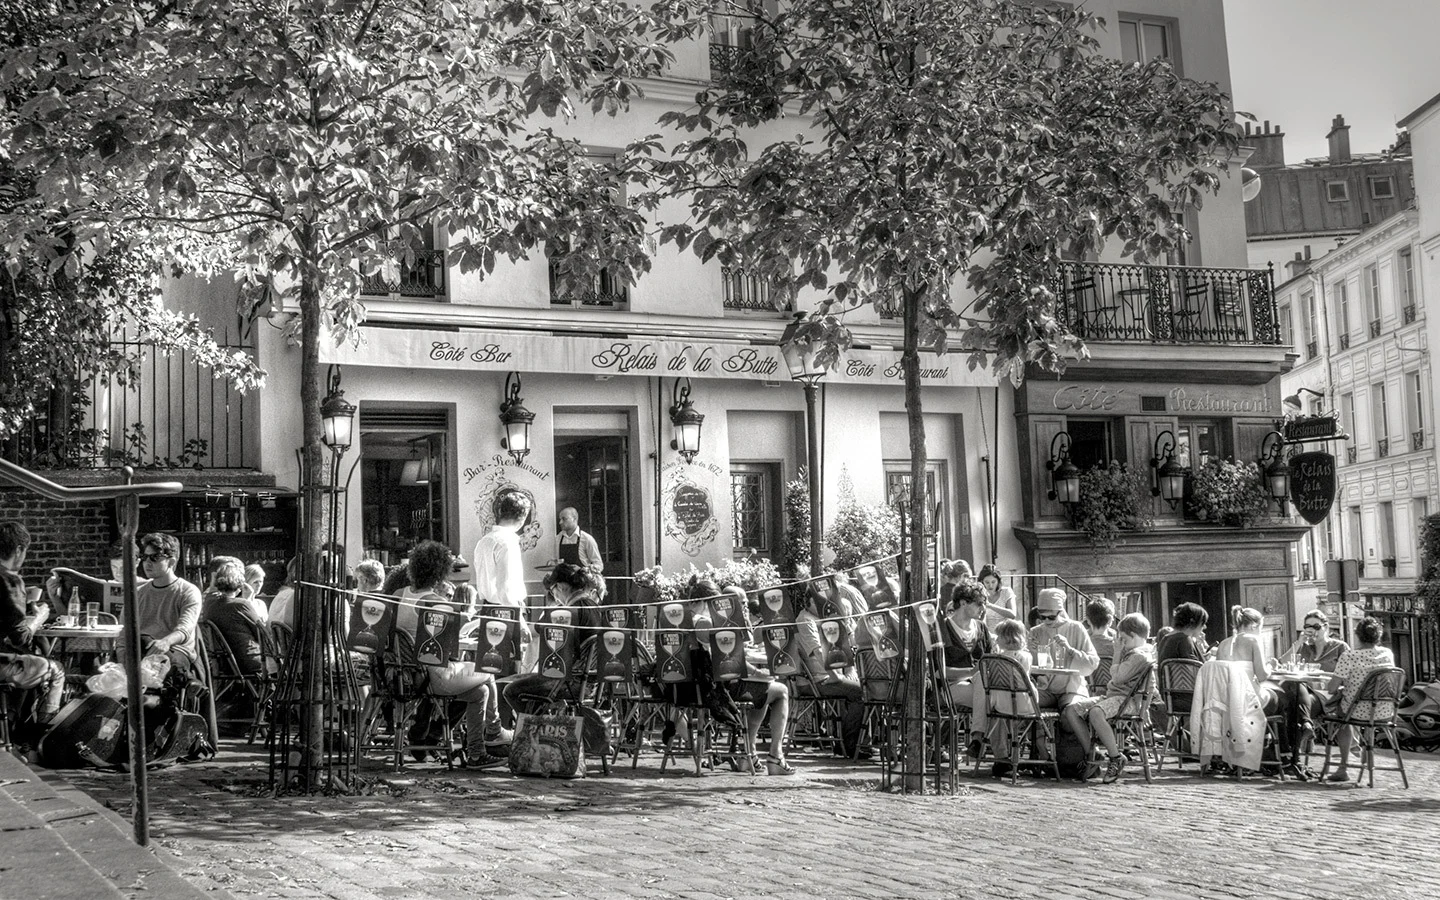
x=1112, y=499
x=1228, y=492
x=748, y=574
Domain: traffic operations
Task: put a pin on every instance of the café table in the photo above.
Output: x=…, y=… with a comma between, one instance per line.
x=81, y=650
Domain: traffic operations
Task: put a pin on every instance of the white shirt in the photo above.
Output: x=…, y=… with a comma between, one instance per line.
x=500, y=568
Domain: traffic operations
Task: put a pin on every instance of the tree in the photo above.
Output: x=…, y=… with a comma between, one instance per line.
x=948, y=144
x=305, y=145
x=57, y=324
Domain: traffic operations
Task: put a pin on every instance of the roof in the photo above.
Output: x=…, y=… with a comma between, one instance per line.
x=1420, y=111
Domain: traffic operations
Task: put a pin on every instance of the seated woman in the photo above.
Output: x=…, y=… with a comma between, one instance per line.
x=1316, y=646
x=966, y=640
x=1290, y=700
x=764, y=693
x=952, y=572
x=1350, y=671
x=234, y=614
x=1134, y=660
x=999, y=600
x=577, y=589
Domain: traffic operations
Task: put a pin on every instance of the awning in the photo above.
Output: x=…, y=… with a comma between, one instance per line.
x=530, y=351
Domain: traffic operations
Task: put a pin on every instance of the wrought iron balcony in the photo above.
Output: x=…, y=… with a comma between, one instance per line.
x=1352, y=454
x=744, y=291
x=606, y=290
x=723, y=58
x=1409, y=313
x=1312, y=350
x=1176, y=304
x=424, y=278
x=1417, y=440
x=1382, y=448
x=1375, y=328
x=1344, y=342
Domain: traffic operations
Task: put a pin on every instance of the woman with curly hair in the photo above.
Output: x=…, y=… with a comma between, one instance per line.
x=967, y=639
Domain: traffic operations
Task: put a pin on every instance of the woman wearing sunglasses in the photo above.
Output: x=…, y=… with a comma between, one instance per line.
x=1315, y=645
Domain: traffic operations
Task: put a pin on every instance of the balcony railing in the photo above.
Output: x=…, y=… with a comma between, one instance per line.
x=605, y=290
x=1382, y=448
x=1179, y=304
x=1375, y=328
x=1409, y=313
x=1312, y=350
x=744, y=291
x=1417, y=440
x=1352, y=454
x=424, y=278
x=723, y=59
x=1344, y=342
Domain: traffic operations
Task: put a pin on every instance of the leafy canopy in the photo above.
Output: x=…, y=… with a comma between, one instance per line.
x=941, y=142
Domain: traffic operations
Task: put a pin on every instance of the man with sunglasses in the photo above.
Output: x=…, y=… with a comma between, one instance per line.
x=1315, y=645
x=1071, y=648
x=168, y=606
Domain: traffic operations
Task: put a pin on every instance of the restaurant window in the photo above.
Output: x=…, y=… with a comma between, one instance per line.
x=755, y=507
x=1144, y=39
x=1198, y=441
x=1094, y=442
x=1337, y=191
x=1382, y=187
x=897, y=490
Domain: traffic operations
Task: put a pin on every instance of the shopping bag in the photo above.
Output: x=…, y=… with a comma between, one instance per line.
x=548, y=744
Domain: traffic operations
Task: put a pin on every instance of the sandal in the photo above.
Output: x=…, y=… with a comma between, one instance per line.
x=774, y=766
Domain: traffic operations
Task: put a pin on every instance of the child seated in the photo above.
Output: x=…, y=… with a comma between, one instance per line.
x=1134, y=661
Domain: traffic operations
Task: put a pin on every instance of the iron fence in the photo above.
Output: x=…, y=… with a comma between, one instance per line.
x=1179, y=304
x=743, y=290
x=425, y=277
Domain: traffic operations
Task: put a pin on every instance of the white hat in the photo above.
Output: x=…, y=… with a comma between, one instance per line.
x=1051, y=600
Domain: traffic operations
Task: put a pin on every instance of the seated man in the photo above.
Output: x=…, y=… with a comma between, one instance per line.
x=167, y=605
x=1070, y=648
x=21, y=666
x=837, y=684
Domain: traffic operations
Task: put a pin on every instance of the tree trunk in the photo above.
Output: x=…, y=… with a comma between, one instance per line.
x=311, y=621
x=916, y=652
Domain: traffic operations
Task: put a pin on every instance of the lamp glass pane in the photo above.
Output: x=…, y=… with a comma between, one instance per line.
x=1067, y=490
x=687, y=437
x=517, y=437
x=1172, y=487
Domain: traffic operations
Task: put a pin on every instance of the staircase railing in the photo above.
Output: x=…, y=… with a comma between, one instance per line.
x=127, y=510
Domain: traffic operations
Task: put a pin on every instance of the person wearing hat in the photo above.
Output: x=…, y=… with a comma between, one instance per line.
x=1070, y=648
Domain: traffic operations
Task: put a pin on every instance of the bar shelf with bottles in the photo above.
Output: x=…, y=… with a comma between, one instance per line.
x=255, y=526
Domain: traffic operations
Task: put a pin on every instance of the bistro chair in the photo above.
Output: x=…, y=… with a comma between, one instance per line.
x=1012, y=705
x=229, y=683
x=1099, y=679
x=813, y=719
x=1177, y=679
x=1369, y=713
x=882, y=705
x=399, y=692
x=1132, y=722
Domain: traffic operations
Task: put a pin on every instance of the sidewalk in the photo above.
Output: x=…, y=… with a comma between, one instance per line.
x=56, y=843
x=823, y=834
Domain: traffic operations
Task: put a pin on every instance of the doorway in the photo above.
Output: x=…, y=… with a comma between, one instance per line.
x=405, y=482
x=1208, y=594
x=592, y=474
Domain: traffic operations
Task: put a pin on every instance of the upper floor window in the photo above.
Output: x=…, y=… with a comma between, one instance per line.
x=728, y=36
x=1372, y=297
x=1144, y=39
x=420, y=274
x=1382, y=187
x=1287, y=327
x=1309, y=323
x=1379, y=412
x=1347, y=413
x=1337, y=191
x=1342, y=303
x=1405, y=276
x=605, y=288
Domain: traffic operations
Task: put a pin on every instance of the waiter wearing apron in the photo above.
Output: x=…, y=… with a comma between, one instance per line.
x=575, y=546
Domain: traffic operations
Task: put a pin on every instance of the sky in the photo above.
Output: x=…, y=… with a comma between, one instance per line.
x=1300, y=62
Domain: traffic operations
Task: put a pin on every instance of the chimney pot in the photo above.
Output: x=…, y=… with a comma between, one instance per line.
x=1339, y=138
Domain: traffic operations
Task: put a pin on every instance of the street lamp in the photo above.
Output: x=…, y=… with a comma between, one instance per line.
x=685, y=422
x=801, y=359
x=336, y=416
x=1274, y=469
x=1064, y=477
x=1169, y=475
x=516, y=419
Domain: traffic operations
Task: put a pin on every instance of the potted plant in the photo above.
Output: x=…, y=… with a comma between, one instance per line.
x=1112, y=499
x=1227, y=492
x=861, y=533
x=1389, y=564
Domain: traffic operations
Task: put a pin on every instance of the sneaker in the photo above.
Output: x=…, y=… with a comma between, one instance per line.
x=1113, y=768
x=484, y=759
x=973, y=749
x=497, y=735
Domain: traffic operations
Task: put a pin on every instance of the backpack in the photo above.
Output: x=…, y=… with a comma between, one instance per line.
x=89, y=731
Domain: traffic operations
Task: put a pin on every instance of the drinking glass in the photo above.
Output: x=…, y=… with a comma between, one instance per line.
x=92, y=615
x=1042, y=657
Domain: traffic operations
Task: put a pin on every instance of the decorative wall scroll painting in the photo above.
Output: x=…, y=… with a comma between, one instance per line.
x=690, y=518
x=494, y=478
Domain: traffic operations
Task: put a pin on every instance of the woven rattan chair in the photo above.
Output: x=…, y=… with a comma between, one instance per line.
x=1012, y=703
x=1382, y=688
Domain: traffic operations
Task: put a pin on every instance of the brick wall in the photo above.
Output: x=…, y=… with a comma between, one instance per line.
x=74, y=534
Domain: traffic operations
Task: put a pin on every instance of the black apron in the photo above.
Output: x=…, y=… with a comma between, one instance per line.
x=570, y=553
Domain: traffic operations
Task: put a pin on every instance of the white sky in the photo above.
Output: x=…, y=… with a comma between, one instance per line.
x=1300, y=62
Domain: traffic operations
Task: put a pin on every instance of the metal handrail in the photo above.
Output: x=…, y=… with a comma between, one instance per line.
x=127, y=510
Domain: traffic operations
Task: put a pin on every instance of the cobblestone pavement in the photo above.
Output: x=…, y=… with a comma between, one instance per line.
x=828, y=833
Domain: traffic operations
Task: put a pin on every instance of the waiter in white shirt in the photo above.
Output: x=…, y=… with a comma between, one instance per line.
x=575, y=546
x=500, y=566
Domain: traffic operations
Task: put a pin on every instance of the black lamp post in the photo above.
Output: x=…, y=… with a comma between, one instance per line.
x=1169, y=482
x=516, y=419
x=801, y=361
x=1274, y=468
x=685, y=421
x=1064, y=477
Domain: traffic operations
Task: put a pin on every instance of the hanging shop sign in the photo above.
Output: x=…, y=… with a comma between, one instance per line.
x=1311, y=428
x=1312, y=485
x=505, y=351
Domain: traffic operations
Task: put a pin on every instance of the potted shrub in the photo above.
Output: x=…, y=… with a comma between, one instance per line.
x=1112, y=499
x=1227, y=492
x=860, y=532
